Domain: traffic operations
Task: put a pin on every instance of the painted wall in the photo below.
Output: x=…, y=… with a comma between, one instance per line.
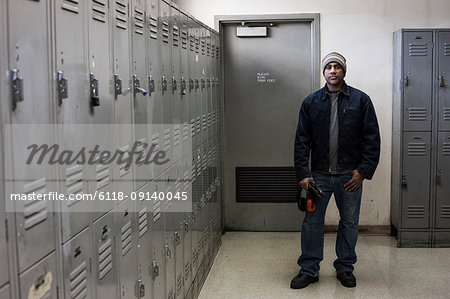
x=362, y=32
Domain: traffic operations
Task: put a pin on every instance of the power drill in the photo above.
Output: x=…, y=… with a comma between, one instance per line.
x=312, y=196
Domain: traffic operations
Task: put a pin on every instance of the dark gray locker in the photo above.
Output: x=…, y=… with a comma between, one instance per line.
x=5, y=292
x=169, y=233
x=159, y=250
x=416, y=180
x=195, y=179
x=444, y=80
x=417, y=80
x=443, y=181
x=175, y=34
x=185, y=94
x=4, y=275
x=76, y=266
x=41, y=280
x=203, y=86
x=104, y=263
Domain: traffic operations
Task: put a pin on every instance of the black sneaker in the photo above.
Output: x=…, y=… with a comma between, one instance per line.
x=302, y=281
x=347, y=279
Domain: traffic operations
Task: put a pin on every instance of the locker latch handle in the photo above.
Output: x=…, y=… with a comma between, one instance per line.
x=441, y=81
x=438, y=177
x=168, y=252
x=137, y=86
x=164, y=84
x=203, y=83
x=197, y=84
x=16, y=88
x=93, y=82
x=139, y=289
x=174, y=84
x=186, y=226
x=404, y=182
x=176, y=238
x=208, y=83
x=183, y=86
x=62, y=86
x=154, y=269
x=151, y=85
x=191, y=84
x=405, y=80
x=117, y=85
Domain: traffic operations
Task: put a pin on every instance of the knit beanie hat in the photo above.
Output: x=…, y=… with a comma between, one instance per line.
x=334, y=57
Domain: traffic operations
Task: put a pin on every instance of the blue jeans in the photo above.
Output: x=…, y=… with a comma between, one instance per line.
x=348, y=204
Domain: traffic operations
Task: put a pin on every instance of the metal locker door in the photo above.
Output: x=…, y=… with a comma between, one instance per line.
x=443, y=181
x=4, y=271
x=203, y=87
x=76, y=266
x=198, y=88
x=416, y=180
x=140, y=90
x=209, y=80
x=194, y=220
x=165, y=80
x=5, y=292
x=41, y=280
x=185, y=119
x=32, y=104
x=187, y=224
x=122, y=82
x=100, y=97
x=144, y=253
x=178, y=235
x=158, y=240
x=417, y=80
x=104, y=257
x=155, y=100
x=175, y=33
x=444, y=80
x=126, y=244
x=169, y=233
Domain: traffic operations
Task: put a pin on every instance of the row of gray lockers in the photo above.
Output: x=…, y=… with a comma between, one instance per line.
x=112, y=72
x=420, y=194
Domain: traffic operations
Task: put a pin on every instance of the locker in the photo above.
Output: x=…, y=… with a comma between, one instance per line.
x=167, y=85
x=444, y=80
x=177, y=84
x=144, y=222
x=126, y=246
x=104, y=264
x=122, y=82
x=194, y=101
x=41, y=280
x=418, y=57
x=140, y=89
x=4, y=274
x=100, y=97
x=171, y=236
x=159, y=250
x=186, y=97
x=209, y=81
x=71, y=108
x=76, y=266
x=5, y=292
x=443, y=181
x=155, y=101
x=203, y=85
x=195, y=178
x=30, y=77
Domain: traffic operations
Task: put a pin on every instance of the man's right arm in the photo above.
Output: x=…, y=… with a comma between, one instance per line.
x=302, y=145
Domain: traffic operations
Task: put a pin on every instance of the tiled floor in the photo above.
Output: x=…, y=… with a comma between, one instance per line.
x=261, y=265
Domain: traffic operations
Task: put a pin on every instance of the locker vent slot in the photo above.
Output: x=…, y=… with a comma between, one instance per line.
x=78, y=282
x=199, y=166
x=209, y=158
x=153, y=27
x=266, y=184
x=208, y=48
x=179, y=282
x=74, y=181
x=197, y=45
x=203, y=46
x=167, y=140
x=204, y=122
x=165, y=32
x=36, y=211
x=193, y=171
x=102, y=176
x=446, y=149
x=104, y=258
x=416, y=211
x=175, y=35
x=446, y=113
x=417, y=114
x=178, y=186
x=185, y=131
x=184, y=38
x=99, y=10
x=155, y=141
x=205, y=164
x=187, y=269
x=143, y=222
x=124, y=157
x=186, y=180
x=192, y=127
x=417, y=149
x=209, y=119
x=194, y=256
x=446, y=49
x=177, y=136
x=418, y=49
x=126, y=238
x=218, y=116
x=121, y=15
x=445, y=212
x=198, y=124
x=156, y=211
x=217, y=52
x=138, y=21
x=170, y=294
x=191, y=43
x=71, y=5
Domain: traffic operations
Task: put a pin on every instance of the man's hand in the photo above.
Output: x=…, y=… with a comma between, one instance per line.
x=354, y=182
x=305, y=183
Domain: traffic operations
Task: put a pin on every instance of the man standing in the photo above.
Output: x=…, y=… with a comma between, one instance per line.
x=338, y=127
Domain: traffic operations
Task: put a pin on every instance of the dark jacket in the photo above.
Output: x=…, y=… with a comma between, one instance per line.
x=359, y=136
